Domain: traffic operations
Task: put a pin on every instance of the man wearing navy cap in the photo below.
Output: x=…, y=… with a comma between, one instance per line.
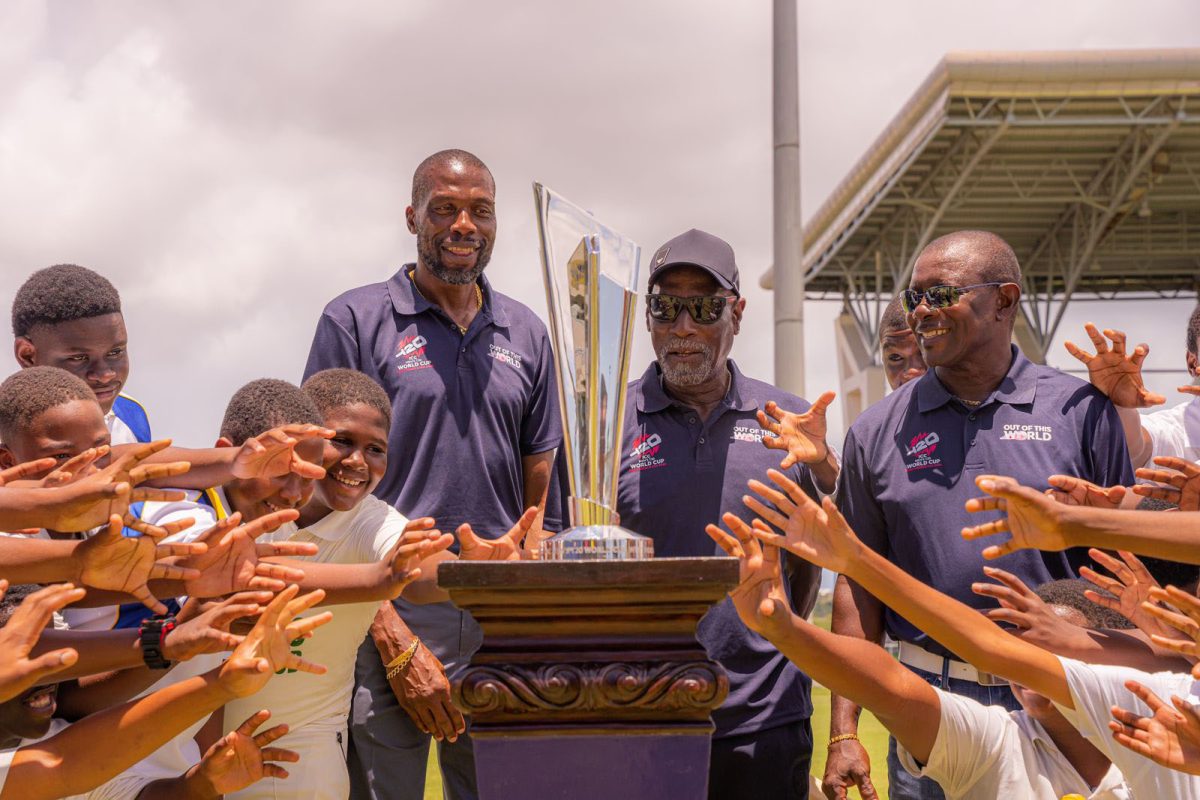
x=911, y=461
x=692, y=441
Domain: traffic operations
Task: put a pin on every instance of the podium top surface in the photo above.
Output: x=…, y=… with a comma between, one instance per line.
x=715, y=572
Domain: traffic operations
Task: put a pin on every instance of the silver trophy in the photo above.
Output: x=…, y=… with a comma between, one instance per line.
x=591, y=274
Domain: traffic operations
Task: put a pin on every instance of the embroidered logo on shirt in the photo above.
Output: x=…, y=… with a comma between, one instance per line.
x=411, y=353
x=1026, y=433
x=504, y=355
x=745, y=433
x=920, y=450
x=645, y=452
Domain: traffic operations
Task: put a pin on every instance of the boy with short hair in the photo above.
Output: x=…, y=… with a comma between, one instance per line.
x=351, y=527
x=70, y=317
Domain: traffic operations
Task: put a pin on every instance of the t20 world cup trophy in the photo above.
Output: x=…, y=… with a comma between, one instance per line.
x=591, y=274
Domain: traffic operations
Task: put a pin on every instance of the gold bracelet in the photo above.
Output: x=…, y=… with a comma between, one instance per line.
x=401, y=661
x=841, y=737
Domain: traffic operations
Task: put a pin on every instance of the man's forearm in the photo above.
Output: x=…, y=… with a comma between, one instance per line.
x=825, y=473
x=856, y=613
x=389, y=632
x=1137, y=438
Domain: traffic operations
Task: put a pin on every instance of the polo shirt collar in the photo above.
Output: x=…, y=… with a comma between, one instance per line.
x=1018, y=387
x=410, y=302
x=653, y=398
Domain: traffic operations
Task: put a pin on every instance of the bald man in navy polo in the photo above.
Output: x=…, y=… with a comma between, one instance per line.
x=692, y=441
x=475, y=424
x=911, y=459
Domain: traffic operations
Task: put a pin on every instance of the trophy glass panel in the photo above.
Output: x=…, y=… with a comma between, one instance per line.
x=590, y=273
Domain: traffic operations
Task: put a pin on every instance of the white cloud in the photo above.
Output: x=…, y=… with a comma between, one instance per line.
x=233, y=166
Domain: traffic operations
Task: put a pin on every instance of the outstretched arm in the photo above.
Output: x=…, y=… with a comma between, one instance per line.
x=854, y=668
x=820, y=534
x=1035, y=521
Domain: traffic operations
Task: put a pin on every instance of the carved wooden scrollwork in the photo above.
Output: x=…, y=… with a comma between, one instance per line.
x=668, y=687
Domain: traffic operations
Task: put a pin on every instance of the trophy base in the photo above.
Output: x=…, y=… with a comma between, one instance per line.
x=597, y=543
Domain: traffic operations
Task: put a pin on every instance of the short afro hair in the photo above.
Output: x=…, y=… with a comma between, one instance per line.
x=13, y=597
x=1068, y=593
x=31, y=392
x=62, y=293
x=338, y=388
x=1193, y=331
x=420, y=181
x=893, y=318
x=264, y=404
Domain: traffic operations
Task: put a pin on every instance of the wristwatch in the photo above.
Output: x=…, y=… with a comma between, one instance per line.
x=153, y=633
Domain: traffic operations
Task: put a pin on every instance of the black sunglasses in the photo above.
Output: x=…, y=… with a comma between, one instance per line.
x=705, y=309
x=938, y=296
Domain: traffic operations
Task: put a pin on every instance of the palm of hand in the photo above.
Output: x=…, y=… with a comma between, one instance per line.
x=1173, y=742
x=116, y=563
x=1118, y=377
x=224, y=569
x=803, y=435
x=270, y=643
x=238, y=765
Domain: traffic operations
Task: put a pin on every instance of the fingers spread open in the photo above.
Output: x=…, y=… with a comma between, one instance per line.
x=986, y=529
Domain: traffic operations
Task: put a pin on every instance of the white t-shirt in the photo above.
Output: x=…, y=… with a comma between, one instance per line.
x=1095, y=689
x=363, y=534
x=118, y=431
x=1174, y=432
x=987, y=752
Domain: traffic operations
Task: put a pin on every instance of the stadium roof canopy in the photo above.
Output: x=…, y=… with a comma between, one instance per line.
x=1087, y=162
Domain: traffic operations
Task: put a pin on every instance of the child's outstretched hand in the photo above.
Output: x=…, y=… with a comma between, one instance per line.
x=234, y=561
x=1170, y=736
x=272, y=454
x=241, y=758
x=19, y=636
x=1034, y=520
x=505, y=548
x=759, y=597
x=1181, y=479
x=816, y=533
x=112, y=561
x=267, y=647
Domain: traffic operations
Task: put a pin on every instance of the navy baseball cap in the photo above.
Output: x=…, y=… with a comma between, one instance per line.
x=698, y=249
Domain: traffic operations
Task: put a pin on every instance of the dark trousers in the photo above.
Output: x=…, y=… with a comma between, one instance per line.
x=764, y=765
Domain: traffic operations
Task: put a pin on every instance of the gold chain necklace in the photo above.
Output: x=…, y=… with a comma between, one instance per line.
x=478, y=298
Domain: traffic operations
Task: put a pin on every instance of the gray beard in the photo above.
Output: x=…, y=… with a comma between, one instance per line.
x=455, y=277
x=683, y=375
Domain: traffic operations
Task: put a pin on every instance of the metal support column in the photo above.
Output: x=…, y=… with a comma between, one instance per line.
x=789, y=280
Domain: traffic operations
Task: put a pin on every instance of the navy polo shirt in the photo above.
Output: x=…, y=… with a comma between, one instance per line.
x=465, y=408
x=910, y=463
x=679, y=473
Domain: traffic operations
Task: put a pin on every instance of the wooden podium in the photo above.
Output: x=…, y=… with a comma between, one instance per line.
x=590, y=683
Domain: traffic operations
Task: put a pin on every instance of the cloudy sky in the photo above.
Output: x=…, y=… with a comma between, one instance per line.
x=232, y=166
